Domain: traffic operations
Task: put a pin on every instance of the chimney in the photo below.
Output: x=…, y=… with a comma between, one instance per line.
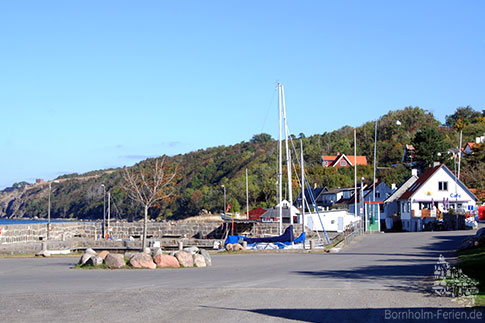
x=414, y=172
x=436, y=164
x=393, y=186
x=314, y=185
x=478, y=140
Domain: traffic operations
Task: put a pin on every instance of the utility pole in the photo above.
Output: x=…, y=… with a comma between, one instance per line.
x=375, y=166
x=224, y=188
x=109, y=214
x=355, y=172
x=49, y=210
x=104, y=210
x=247, y=195
x=364, y=214
x=459, y=154
x=49, y=214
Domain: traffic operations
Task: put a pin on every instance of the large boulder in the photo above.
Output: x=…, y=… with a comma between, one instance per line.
x=207, y=257
x=199, y=260
x=237, y=247
x=193, y=250
x=157, y=251
x=85, y=257
x=142, y=260
x=130, y=254
x=94, y=261
x=114, y=260
x=103, y=254
x=166, y=261
x=91, y=251
x=43, y=253
x=185, y=259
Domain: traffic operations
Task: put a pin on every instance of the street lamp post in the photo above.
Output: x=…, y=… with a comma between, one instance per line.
x=49, y=210
x=362, y=202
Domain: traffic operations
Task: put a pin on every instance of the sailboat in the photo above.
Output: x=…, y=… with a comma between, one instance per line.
x=303, y=182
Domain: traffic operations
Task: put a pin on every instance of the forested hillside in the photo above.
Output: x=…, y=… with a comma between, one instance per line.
x=200, y=174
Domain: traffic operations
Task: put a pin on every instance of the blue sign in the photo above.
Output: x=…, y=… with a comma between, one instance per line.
x=453, y=196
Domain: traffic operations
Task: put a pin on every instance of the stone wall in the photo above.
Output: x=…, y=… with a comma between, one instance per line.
x=92, y=230
x=37, y=232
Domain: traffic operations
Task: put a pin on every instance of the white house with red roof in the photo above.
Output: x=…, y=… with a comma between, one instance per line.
x=436, y=190
x=341, y=160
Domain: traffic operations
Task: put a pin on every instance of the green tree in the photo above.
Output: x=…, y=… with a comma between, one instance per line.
x=429, y=145
x=462, y=117
x=261, y=138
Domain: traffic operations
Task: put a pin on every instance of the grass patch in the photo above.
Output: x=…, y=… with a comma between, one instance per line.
x=102, y=266
x=472, y=263
x=32, y=255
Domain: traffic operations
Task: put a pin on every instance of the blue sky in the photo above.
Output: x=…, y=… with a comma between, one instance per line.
x=90, y=85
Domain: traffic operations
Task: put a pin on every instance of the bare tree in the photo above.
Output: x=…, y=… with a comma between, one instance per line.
x=149, y=186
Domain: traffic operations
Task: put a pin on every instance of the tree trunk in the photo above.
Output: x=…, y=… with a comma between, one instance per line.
x=144, y=245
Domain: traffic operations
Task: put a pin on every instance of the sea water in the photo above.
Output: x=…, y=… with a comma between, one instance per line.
x=28, y=221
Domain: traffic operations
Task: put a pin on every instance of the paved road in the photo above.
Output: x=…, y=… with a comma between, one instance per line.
x=375, y=274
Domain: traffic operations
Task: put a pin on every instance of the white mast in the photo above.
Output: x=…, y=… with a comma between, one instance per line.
x=288, y=157
x=280, y=194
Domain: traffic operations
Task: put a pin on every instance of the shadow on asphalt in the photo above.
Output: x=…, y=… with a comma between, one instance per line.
x=379, y=272
x=411, y=274
x=423, y=314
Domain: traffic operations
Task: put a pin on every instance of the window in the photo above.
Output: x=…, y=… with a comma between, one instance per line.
x=378, y=194
x=442, y=186
x=343, y=163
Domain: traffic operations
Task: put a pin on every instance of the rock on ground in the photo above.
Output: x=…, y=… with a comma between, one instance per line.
x=103, y=254
x=85, y=257
x=114, y=260
x=192, y=250
x=156, y=251
x=166, y=261
x=43, y=253
x=95, y=261
x=207, y=257
x=130, y=254
x=185, y=259
x=199, y=260
x=142, y=260
x=237, y=247
x=91, y=251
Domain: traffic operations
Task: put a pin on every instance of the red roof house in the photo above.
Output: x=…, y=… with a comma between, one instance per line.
x=341, y=160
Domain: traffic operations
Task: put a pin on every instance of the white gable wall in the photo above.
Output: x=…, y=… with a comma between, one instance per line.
x=455, y=193
x=429, y=196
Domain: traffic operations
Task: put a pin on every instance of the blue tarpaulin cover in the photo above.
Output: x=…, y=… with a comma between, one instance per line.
x=285, y=239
